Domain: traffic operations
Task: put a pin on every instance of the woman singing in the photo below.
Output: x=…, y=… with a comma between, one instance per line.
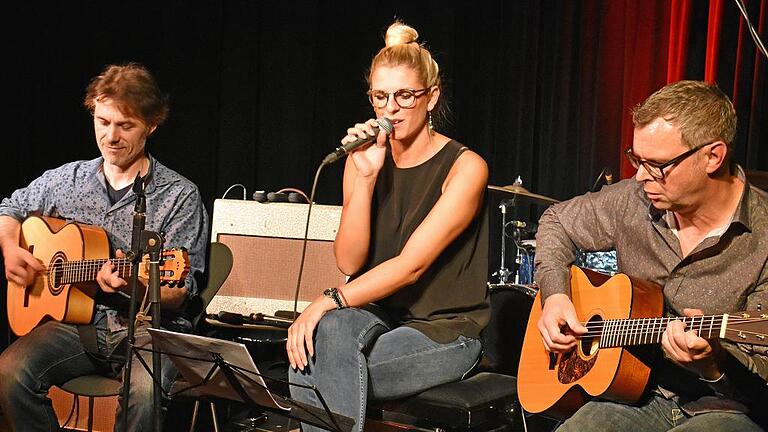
x=413, y=237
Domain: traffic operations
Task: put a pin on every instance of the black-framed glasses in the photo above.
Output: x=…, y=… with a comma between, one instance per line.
x=404, y=98
x=655, y=169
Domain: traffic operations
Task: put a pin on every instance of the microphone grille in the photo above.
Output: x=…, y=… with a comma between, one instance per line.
x=385, y=124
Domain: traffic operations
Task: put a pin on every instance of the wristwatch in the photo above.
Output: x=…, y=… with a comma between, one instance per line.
x=333, y=294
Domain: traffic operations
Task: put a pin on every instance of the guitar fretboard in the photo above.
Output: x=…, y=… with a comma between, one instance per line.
x=642, y=331
x=69, y=272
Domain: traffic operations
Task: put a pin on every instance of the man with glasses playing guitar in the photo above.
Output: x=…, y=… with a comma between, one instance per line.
x=690, y=223
x=127, y=106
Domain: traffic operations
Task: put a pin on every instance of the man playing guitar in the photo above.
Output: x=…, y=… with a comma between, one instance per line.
x=127, y=106
x=690, y=222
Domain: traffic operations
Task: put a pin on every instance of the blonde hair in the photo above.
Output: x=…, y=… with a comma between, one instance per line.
x=402, y=49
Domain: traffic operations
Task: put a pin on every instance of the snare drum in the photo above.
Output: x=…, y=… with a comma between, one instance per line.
x=603, y=262
x=526, y=252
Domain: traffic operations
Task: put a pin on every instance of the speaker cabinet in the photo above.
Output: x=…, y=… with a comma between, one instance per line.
x=266, y=242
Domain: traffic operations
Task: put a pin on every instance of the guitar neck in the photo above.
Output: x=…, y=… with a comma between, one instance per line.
x=70, y=272
x=642, y=331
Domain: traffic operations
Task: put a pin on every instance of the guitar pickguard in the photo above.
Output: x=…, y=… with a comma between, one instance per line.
x=572, y=366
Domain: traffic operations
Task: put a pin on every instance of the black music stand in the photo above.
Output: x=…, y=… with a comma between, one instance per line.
x=224, y=369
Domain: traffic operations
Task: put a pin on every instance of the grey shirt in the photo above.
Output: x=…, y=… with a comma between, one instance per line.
x=723, y=274
x=77, y=191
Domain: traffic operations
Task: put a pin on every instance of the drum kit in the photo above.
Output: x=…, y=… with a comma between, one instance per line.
x=520, y=278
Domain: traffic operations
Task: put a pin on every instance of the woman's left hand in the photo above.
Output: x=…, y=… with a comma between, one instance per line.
x=301, y=332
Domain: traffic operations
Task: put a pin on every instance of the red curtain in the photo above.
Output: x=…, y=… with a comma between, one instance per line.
x=668, y=27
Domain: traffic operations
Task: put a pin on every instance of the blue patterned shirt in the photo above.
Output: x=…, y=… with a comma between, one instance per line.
x=77, y=191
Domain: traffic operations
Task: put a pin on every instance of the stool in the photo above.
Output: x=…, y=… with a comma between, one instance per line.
x=92, y=386
x=484, y=402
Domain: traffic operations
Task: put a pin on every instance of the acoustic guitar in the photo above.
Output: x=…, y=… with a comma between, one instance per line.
x=622, y=315
x=73, y=254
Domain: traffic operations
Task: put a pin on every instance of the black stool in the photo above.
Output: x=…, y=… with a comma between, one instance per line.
x=486, y=401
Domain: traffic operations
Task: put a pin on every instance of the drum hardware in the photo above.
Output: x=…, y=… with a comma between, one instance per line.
x=529, y=290
x=523, y=260
x=503, y=272
x=524, y=263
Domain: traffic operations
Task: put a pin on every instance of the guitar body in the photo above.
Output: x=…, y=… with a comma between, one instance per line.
x=52, y=241
x=558, y=385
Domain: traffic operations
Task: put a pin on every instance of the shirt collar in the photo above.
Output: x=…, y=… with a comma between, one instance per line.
x=741, y=215
x=742, y=210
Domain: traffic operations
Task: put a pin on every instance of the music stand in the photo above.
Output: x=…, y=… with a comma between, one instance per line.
x=224, y=369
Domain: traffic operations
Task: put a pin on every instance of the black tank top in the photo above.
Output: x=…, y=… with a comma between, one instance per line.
x=450, y=298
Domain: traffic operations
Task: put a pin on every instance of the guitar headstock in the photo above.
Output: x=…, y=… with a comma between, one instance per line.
x=174, y=267
x=750, y=327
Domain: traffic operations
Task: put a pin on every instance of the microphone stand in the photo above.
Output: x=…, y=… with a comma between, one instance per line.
x=139, y=219
x=503, y=273
x=154, y=242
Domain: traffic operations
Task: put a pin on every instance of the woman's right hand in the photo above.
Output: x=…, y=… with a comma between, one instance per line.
x=368, y=159
x=300, y=345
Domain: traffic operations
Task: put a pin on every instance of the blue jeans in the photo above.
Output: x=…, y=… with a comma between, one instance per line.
x=52, y=354
x=358, y=354
x=657, y=414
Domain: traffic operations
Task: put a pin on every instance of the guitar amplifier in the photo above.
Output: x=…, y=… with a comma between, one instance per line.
x=266, y=243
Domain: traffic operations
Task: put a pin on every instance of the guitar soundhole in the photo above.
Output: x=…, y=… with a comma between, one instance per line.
x=576, y=363
x=56, y=273
x=588, y=345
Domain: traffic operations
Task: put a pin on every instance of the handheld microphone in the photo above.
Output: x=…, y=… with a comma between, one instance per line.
x=345, y=149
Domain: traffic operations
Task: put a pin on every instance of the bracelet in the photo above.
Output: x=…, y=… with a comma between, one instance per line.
x=343, y=297
x=333, y=294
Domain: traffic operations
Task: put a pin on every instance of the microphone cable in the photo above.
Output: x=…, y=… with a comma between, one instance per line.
x=334, y=156
x=304, y=241
x=240, y=185
x=597, y=180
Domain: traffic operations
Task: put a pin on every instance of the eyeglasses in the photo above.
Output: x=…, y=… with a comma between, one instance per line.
x=655, y=169
x=404, y=98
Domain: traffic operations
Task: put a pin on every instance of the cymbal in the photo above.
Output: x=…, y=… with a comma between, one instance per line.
x=518, y=190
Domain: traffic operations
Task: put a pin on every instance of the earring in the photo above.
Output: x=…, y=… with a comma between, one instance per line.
x=429, y=123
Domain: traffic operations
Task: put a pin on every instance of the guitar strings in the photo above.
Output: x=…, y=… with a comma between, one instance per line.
x=598, y=328
x=89, y=263
x=86, y=264
x=634, y=322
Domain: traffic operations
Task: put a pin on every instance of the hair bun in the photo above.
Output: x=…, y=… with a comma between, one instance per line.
x=400, y=34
